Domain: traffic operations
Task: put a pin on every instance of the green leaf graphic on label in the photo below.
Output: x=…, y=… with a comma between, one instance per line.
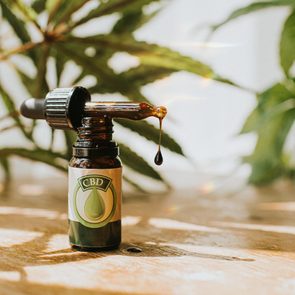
x=94, y=205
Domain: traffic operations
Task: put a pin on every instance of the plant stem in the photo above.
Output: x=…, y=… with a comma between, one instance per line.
x=8, y=128
x=41, y=70
x=23, y=48
x=9, y=115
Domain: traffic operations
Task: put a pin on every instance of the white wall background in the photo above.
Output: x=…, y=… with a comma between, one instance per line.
x=204, y=116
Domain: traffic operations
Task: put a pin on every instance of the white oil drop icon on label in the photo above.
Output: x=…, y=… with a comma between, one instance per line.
x=94, y=205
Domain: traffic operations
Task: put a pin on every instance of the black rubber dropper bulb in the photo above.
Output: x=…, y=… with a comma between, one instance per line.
x=33, y=108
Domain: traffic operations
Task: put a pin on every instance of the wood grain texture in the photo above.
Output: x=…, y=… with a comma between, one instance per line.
x=192, y=242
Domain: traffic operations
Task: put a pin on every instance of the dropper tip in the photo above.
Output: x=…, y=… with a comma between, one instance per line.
x=160, y=112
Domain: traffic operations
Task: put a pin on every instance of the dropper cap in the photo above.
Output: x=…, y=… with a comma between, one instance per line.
x=63, y=108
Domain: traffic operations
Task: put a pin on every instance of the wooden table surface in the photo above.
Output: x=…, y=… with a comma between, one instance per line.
x=197, y=241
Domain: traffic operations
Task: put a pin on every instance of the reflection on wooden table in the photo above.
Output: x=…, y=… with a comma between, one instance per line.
x=183, y=243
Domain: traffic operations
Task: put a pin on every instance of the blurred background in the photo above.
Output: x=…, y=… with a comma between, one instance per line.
x=205, y=116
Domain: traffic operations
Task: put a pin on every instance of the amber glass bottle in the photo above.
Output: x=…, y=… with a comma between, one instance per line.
x=95, y=177
x=95, y=171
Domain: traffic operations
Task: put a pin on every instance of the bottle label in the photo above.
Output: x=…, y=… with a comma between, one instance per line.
x=95, y=196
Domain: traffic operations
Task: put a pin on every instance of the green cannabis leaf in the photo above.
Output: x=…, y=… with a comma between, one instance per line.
x=274, y=115
x=287, y=44
x=253, y=7
x=57, y=45
x=271, y=120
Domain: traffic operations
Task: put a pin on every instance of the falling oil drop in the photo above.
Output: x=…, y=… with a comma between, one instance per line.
x=94, y=205
x=159, y=158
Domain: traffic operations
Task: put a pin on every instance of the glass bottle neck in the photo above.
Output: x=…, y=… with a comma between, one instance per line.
x=95, y=129
x=95, y=138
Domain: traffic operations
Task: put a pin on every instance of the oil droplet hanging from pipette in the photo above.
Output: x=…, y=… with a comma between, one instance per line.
x=160, y=113
x=159, y=157
x=94, y=206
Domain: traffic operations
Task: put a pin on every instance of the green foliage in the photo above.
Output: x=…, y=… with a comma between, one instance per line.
x=271, y=120
x=10, y=107
x=56, y=160
x=4, y=162
x=17, y=24
x=253, y=7
x=287, y=44
x=137, y=163
x=151, y=133
x=274, y=115
x=58, y=43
